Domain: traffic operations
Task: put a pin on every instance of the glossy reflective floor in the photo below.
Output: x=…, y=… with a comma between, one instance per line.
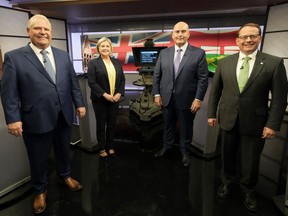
x=136, y=184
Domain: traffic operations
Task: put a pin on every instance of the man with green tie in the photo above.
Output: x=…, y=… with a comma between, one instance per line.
x=240, y=91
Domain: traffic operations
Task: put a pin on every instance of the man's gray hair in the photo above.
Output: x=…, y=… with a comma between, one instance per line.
x=36, y=17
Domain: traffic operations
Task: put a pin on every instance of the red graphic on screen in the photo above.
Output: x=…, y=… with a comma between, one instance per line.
x=217, y=44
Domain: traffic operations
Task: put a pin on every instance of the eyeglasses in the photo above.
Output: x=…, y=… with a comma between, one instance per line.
x=245, y=37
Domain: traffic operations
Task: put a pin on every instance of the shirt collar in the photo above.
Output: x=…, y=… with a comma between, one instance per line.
x=252, y=55
x=37, y=50
x=184, y=47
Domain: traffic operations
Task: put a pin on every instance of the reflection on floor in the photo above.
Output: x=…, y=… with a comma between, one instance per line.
x=137, y=184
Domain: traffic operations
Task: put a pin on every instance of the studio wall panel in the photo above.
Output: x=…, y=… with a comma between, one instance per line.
x=277, y=18
x=76, y=47
x=13, y=22
x=273, y=43
x=58, y=28
x=59, y=34
x=78, y=66
x=273, y=164
x=286, y=65
x=10, y=43
x=61, y=44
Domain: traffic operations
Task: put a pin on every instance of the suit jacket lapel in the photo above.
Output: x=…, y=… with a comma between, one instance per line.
x=188, y=54
x=185, y=57
x=258, y=65
x=170, y=59
x=31, y=56
x=102, y=66
x=117, y=70
x=232, y=66
x=58, y=63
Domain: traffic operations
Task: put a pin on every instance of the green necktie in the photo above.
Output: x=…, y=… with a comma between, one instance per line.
x=244, y=73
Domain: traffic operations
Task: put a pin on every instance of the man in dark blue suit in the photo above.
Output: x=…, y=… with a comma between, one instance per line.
x=39, y=106
x=180, y=88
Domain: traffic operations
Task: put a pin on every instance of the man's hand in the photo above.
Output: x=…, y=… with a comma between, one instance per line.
x=81, y=111
x=268, y=133
x=158, y=101
x=212, y=122
x=15, y=129
x=195, y=106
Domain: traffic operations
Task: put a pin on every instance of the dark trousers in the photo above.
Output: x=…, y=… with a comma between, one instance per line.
x=245, y=148
x=39, y=147
x=106, y=116
x=171, y=114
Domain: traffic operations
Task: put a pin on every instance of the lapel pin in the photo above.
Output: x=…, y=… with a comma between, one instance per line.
x=261, y=63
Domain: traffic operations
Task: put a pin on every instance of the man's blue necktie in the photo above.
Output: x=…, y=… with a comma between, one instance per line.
x=48, y=65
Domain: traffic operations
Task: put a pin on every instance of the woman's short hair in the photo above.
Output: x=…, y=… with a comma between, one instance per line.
x=101, y=40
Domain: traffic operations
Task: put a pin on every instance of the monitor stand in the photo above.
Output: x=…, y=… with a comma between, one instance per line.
x=144, y=106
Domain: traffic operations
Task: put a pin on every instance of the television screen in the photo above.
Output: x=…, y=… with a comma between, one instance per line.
x=146, y=56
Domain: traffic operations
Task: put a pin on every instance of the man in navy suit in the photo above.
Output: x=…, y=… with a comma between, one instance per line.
x=179, y=89
x=40, y=109
x=244, y=116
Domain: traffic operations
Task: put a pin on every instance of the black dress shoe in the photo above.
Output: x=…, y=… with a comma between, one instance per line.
x=186, y=160
x=161, y=153
x=223, y=191
x=250, y=202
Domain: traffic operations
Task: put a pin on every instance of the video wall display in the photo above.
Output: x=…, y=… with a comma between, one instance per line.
x=216, y=43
